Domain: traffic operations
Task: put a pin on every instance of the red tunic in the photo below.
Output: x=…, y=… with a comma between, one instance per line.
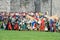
x=42, y=26
x=9, y=26
x=16, y=26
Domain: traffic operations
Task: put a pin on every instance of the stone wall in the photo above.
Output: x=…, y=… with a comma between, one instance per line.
x=30, y=5
x=22, y=5
x=56, y=7
x=14, y=5
x=45, y=6
x=27, y=5
x=4, y=5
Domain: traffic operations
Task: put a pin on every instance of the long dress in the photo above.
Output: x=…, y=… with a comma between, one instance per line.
x=42, y=27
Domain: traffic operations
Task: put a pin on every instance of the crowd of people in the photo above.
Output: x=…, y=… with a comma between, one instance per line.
x=29, y=21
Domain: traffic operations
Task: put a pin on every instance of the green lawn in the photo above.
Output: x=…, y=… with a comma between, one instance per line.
x=28, y=35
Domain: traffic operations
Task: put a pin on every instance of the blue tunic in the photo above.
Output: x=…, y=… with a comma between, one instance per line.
x=32, y=24
x=51, y=23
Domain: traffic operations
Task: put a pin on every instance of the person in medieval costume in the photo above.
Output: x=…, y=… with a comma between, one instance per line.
x=16, y=26
x=13, y=22
x=55, y=25
x=19, y=24
x=24, y=26
x=47, y=24
x=33, y=24
x=37, y=16
x=9, y=26
x=51, y=25
x=1, y=20
x=9, y=18
x=1, y=17
x=3, y=25
x=42, y=26
x=29, y=24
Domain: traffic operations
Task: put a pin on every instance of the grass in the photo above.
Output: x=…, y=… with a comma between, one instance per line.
x=28, y=35
x=0, y=22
